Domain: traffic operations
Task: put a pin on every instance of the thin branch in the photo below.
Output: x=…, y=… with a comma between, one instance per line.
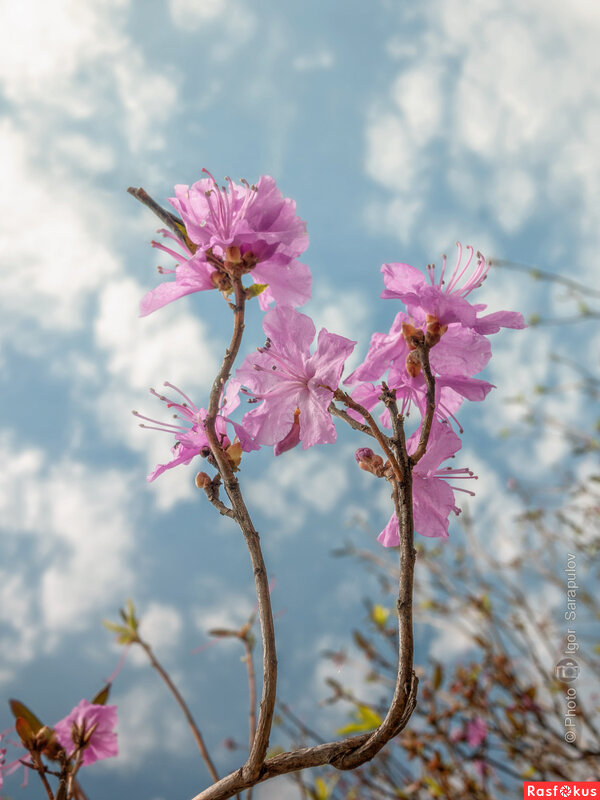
x=249, y=660
x=170, y=220
x=339, y=394
x=183, y=705
x=212, y=492
x=358, y=426
x=405, y=692
x=541, y=274
x=259, y=747
x=41, y=770
x=423, y=351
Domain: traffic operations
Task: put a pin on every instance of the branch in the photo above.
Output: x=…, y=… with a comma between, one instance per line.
x=352, y=752
x=182, y=704
x=381, y=438
x=259, y=747
x=423, y=350
x=170, y=220
x=247, y=641
x=211, y=488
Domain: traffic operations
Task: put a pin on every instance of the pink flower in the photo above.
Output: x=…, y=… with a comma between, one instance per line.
x=260, y=222
x=103, y=741
x=294, y=386
x=476, y=732
x=433, y=497
x=193, y=273
x=450, y=391
x=460, y=351
x=190, y=431
x=445, y=300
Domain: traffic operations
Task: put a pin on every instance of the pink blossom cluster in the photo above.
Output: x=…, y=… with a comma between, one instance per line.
x=243, y=230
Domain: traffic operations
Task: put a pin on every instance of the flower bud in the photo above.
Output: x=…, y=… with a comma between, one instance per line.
x=233, y=256
x=202, y=480
x=435, y=331
x=412, y=336
x=369, y=461
x=221, y=281
x=413, y=363
x=363, y=453
x=234, y=454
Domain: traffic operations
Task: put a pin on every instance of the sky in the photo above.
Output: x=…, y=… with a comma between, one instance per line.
x=398, y=128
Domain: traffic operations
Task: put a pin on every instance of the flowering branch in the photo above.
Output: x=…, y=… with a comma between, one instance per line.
x=227, y=233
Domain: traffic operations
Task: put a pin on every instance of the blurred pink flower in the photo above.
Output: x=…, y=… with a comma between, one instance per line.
x=103, y=742
x=476, y=732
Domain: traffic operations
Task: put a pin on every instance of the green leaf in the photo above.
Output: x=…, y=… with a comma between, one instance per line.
x=102, y=696
x=365, y=720
x=20, y=710
x=256, y=289
x=380, y=615
x=322, y=791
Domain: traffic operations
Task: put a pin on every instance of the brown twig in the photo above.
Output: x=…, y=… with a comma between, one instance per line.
x=170, y=220
x=260, y=744
x=212, y=492
x=183, y=706
x=423, y=351
x=339, y=394
x=41, y=771
x=358, y=426
x=249, y=661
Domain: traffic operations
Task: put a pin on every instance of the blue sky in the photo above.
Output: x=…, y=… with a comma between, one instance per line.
x=398, y=128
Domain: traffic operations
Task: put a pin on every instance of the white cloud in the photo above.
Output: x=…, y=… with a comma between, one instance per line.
x=170, y=346
x=79, y=63
x=73, y=525
x=233, y=17
x=140, y=734
x=297, y=481
x=161, y=626
x=60, y=253
x=517, y=114
x=190, y=13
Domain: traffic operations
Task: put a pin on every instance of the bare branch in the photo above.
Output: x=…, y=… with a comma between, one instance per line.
x=183, y=705
x=170, y=220
x=339, y=394
x=259, y=747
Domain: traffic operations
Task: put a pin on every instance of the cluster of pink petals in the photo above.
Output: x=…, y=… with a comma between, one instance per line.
x=433, y=496
x=189, y=430
x=445, y=297
x=256, y=219
x=293, y=386
x=103, y=742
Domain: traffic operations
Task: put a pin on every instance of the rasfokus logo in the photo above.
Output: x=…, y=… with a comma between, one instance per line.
x=562, y=789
